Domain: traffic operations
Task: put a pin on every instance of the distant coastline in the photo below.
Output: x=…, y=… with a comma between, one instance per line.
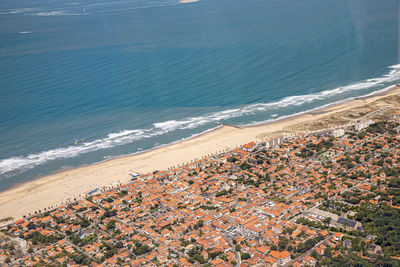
x=66, y=185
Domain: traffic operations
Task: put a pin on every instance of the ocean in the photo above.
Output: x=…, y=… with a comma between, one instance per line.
x=84, y=81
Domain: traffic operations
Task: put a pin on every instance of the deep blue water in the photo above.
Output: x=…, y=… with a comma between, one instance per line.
x=82, y=81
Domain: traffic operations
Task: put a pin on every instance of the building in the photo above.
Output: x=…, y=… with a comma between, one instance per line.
x=282, y=257
x=338, y=132
x=348, y=224
x=362, y=125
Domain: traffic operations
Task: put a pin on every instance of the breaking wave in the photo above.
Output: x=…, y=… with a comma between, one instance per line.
x=87, y=8
x=23, y=163
x=54, y=13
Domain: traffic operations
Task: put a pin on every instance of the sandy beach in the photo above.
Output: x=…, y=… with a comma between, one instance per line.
x=58, y=188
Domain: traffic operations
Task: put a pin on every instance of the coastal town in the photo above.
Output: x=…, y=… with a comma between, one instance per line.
x=325, y=198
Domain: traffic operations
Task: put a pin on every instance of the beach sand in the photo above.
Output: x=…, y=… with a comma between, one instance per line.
x=67, y=185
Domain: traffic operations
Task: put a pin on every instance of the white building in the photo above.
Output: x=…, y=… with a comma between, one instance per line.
x=338, y=132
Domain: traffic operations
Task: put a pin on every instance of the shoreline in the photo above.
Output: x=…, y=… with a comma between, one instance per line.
x=112, y=158
x=75, y=183
x=313, y=111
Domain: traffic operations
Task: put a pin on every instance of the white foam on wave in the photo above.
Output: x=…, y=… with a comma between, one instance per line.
x=172, y=124
x=23, y=10
x=38, y=11
x=188, y=1
x=297, y=100
x=107, y=3
x=128, y=136
x=125, y=133
x=135, y=8
x=26, y=32
x=113, y=139
x=72, y=9
x=54, y=13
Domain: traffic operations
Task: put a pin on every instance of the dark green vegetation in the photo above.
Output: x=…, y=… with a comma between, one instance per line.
x=37, y=237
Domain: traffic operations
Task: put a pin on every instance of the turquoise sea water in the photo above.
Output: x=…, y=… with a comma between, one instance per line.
x=82, y=81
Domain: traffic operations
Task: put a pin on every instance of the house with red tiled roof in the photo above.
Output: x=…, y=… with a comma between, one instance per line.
x=337, y=237
x=282, y=257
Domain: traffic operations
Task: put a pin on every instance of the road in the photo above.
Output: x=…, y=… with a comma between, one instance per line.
x=308, y=252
